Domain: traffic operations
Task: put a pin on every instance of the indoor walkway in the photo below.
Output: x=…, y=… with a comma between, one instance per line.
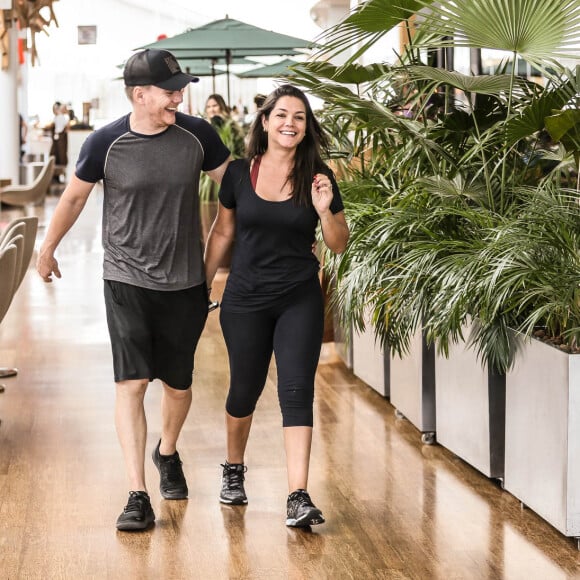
x=395, y=508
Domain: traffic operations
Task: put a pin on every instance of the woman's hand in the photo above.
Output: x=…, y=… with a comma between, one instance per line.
x=321, y=193
x=334, y=227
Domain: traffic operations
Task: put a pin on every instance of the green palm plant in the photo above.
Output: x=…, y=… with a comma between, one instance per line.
x=437, y=202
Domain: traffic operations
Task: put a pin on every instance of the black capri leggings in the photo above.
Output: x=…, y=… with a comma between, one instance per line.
x=291, y=328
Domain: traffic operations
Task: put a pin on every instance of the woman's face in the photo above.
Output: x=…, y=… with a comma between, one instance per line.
x=286, y=125
x=212, y=109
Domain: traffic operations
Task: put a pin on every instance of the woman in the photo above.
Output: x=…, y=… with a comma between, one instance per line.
x=272, y=203
x=230, y=131
x=60, y=135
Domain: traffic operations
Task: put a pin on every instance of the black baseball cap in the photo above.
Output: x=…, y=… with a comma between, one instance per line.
x=156, y=67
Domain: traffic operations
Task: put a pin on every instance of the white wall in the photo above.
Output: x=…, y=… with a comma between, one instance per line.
x=74, y=73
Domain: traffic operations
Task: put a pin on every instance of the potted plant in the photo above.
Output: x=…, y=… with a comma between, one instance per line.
x=443, y=199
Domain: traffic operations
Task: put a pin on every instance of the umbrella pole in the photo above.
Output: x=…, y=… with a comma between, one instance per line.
x=213, y=61
x=228, y=59
x=188, y=94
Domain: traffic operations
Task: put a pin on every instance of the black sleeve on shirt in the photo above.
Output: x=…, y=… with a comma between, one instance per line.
x=214, y=150
x=336, y=204
x=90, y=164
x=232, y=176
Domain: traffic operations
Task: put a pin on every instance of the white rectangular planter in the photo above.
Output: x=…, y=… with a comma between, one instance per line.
x=369, y=362
x=470, y=409
x=342, y=342
x=542, y=462
x=412, y=385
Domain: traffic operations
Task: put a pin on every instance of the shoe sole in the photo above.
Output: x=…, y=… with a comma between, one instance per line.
x=304, y=522
x=233, y=501
x=135, y=526
x=166, y=495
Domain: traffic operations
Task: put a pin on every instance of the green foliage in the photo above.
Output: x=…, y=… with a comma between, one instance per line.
x=460, y=191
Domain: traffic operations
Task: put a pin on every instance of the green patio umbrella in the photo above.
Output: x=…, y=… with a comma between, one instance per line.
x=228, y=38
x=207, y=67
x=277, y=69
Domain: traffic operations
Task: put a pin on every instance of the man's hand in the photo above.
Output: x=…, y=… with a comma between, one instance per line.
x=46, y=266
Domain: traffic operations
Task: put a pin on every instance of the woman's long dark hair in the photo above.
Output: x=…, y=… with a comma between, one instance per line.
x=308, y=160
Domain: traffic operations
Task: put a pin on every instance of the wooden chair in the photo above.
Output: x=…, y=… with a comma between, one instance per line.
x=28, y=227
x=8, y=262
x=33, y=193
x=20, y=233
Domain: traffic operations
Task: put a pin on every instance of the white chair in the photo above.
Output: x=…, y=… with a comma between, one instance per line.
x=33, y=193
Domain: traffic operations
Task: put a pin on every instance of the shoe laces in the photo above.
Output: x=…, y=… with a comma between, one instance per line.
x=300, y=497
x=235, y=474
x=172, y=468
x=135, y=501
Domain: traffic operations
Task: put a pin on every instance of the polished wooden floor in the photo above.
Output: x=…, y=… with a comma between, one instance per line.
x=395, y=508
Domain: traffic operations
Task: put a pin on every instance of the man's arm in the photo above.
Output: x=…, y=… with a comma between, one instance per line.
x=221, y=237
x=67, y=211
x=218, y=173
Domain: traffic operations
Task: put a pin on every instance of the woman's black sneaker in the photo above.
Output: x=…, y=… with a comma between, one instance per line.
x=172, y=484
x=137, y=514
x=300, y=511
x=233, y=492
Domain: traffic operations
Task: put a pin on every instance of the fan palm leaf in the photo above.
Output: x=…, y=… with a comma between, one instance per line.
x=539, y=32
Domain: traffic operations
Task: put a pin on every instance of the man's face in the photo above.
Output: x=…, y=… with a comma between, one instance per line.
x=161, y=105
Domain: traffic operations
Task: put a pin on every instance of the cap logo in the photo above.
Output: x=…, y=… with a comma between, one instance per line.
x=172, y=64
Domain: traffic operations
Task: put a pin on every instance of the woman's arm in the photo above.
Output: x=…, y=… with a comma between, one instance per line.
x=334, y=231
x=221, y=237
x=334, y=227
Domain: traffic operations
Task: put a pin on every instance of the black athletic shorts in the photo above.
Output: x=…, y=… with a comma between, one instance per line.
x=154, y=333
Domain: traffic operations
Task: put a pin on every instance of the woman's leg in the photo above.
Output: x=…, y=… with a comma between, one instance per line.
x=297, y=443
x=297, y=342
x=248, y=338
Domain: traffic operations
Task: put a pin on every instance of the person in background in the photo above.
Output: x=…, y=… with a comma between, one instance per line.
x=259, y=99
x=230, y=131
x=272, y=202
x=61, y=121
x=23, y=135
x=156, y=297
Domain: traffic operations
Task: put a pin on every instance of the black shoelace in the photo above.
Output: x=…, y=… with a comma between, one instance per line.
x=173, y=469
x=298, y=498
x=235, y=476
x=135, y=502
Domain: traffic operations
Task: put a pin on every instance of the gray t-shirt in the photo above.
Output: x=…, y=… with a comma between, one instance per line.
x=151, y=224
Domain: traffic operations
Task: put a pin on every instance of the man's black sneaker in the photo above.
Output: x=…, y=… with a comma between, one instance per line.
x=300, y=511
x=233, y=492
x=172, y=483
x=137, y=514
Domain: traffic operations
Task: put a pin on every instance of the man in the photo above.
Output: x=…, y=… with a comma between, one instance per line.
x=154, y=284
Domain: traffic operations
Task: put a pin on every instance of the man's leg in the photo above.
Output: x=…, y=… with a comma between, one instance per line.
x=132, y=432
x=131, y=425
x=175, y=404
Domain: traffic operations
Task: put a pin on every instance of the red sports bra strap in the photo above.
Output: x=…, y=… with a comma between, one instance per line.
x=254, y=171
